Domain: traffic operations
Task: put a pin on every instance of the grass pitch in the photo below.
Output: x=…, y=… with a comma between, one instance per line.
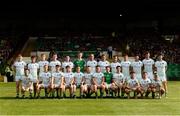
x=9, y=105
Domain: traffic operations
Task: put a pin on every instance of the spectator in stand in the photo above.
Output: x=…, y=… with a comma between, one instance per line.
x=110, y=51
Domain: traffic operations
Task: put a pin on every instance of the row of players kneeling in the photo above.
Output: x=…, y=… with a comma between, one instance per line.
x=121, y=89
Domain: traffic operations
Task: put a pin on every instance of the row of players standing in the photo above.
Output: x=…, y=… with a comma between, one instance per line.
x=147, y=65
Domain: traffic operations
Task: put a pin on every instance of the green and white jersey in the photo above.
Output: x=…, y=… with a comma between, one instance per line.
x=156, y=83
x=93, y=65
x=78, y=77
x=80, y=63
x=68, y=76
x=53, y=64
x=27, y=80
x=98, y=77
x=137, y=67
x=103, y=65
x=108, y=77
x=118, y=77
x=57, y=77
x=145, y=83
x=88, y=78
x=132, y=83
x=113, y=66
x=46, y=78
x=64, y=64
x=19, y=67
x=42, y=64
x=148, y=65
x=125, y=68
x=33, y=69
x=161, y=68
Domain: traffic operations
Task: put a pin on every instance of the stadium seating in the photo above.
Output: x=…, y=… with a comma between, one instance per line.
x=138, y=43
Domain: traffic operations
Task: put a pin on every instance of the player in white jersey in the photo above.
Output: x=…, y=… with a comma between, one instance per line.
x=46, y=82
x=156, y=87
x=161, y=67
x=98, y=81
x=145, y=85
x=103, y=63
x=137, y=67
x=78, y=76
x=33, y=69
x=87, y=82
x=118, y=82
x=126, y=67
x=19, y=66
x=41, y=63
x=69, y=82
x=67, y=62
x=54, y=62
x=92, y=63
x=57, y=80
x=114, y=64
x=148, y=65
x=27, y=84
x=132, y=85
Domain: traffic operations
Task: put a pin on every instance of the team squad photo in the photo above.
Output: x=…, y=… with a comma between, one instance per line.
x=104, y=79
x=90, y=59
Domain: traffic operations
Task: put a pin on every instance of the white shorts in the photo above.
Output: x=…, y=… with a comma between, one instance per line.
x=162, y=78
x=144, y=88
x=119, y=84
x=44, y=85
x=27, y=88
x=107, y=85
x=150, y=75
x=34, y=80
x=88, y=85
x=18, y=78
x=67, y=85
x=57, y=85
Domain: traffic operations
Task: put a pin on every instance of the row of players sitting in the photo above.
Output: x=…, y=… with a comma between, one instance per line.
x=89, y=83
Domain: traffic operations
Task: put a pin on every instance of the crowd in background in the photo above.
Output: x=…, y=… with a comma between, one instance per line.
x=132, y=43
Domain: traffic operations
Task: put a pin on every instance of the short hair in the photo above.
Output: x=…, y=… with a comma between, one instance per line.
x=19, y=55
x=54, y=53
x=144, y=72
x=91, y=54
x=78, y=66
x=32, y=57
x=125, y=54
x=161, y=54
x=26, y=68
x=132, y=72
x=68, y=66
x=108, y=67
x=97, y=66
x=57, y=65
x=43, y=54
x=115, y=56
x=103, y=55
x=147, y=52
x=80, y=52
x=118, y=67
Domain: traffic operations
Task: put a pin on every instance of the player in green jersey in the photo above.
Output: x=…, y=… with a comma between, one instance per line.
x=79, y=62
x=108, y=79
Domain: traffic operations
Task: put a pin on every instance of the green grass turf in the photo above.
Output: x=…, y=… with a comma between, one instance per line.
x=165, y=106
